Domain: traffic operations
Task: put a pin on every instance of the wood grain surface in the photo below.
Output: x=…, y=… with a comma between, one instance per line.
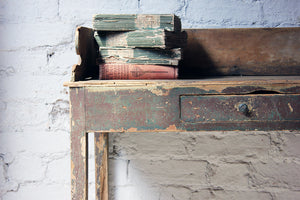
x=254, y=51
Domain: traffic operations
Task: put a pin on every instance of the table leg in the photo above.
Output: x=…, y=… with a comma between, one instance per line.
x=79, y=146
x=101, y=165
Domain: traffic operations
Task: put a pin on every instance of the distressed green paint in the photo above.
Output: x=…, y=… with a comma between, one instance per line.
x=127, y=22
x=141, y=56
x=161, y=108
x=225, y=108
x=141, y=38
x=146, y=38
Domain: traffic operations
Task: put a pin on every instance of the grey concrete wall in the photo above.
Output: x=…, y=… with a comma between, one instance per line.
x=36, y=55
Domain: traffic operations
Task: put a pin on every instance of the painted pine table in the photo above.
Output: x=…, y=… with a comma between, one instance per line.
x=266, y=99
x=230, y=103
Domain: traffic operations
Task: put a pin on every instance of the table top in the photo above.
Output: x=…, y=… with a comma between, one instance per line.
x=226, y=80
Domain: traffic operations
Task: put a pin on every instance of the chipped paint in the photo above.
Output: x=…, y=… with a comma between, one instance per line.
x=132, y=129
x=83, y=146
x=290, y=107
x=225, y=108
x=73, y=178
x=172, y=128
x=159, y=91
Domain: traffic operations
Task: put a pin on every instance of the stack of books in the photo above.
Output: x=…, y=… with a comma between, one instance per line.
x=139, y=46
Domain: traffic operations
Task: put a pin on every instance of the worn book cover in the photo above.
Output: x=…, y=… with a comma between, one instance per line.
x=130, y=22
x=132, y=72
x=141, y=56
x=141, y=38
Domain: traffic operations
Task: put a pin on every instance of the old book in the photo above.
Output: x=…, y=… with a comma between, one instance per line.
x=134, y=72
x=141, y=38
x=130, y=22
x=141, y=56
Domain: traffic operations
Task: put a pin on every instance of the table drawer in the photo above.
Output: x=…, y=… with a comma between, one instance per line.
x=222, y=108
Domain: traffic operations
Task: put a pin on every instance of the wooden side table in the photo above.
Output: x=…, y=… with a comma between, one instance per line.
x=224, y=103
x=230, y=103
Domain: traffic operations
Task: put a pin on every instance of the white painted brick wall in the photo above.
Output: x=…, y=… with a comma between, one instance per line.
x=36, y=55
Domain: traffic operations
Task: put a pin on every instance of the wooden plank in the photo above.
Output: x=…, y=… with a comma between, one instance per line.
x=271, y=81
x=79, y=146
x=130, y=22
x=101, y=165
x=156, y=108
x=87, y=49
x=145, y=38
x=254, y=51
x=239, y=108
x=211, y=52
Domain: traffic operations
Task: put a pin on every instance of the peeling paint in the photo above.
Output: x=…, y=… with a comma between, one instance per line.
x=172, y=128
x=83, y=146
x=290, y=107
x=159, y=91
x=73, y=178
x=132, y=129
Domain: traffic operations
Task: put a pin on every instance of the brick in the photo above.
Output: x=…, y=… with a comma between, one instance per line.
x=22, y=61
x=47, y=61
x=24, y=90
x=72, y=10
x=172, y=192
x=20, y=89
x=181, y=172
x=291, y=145
x=227, y=13
x=34, y=35
x=287, y=195
x=60, y=60
x=231, y=176
x=5, y=183
x=195, y=145
x=40, y=191
x=29, y=10
x=282, y=173
x=237, y=144
x=26, y=168
x=58, y=170
x=2, y=173
x=281, y=12
x=34, y=143
x=8, y=186
x=231, y=195
x=136, y=145
x=134, y=193
x=160, y=7
x=16, y=123
x=118, y=172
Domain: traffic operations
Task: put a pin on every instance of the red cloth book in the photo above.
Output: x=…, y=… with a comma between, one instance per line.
x=136, y=72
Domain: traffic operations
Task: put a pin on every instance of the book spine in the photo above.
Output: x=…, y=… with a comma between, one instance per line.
x=136, y=72
x=142, y=39
x=141, y=56
x=131, y=39
x=125, y=22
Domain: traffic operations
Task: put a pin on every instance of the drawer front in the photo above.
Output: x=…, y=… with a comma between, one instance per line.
x=230, y=108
